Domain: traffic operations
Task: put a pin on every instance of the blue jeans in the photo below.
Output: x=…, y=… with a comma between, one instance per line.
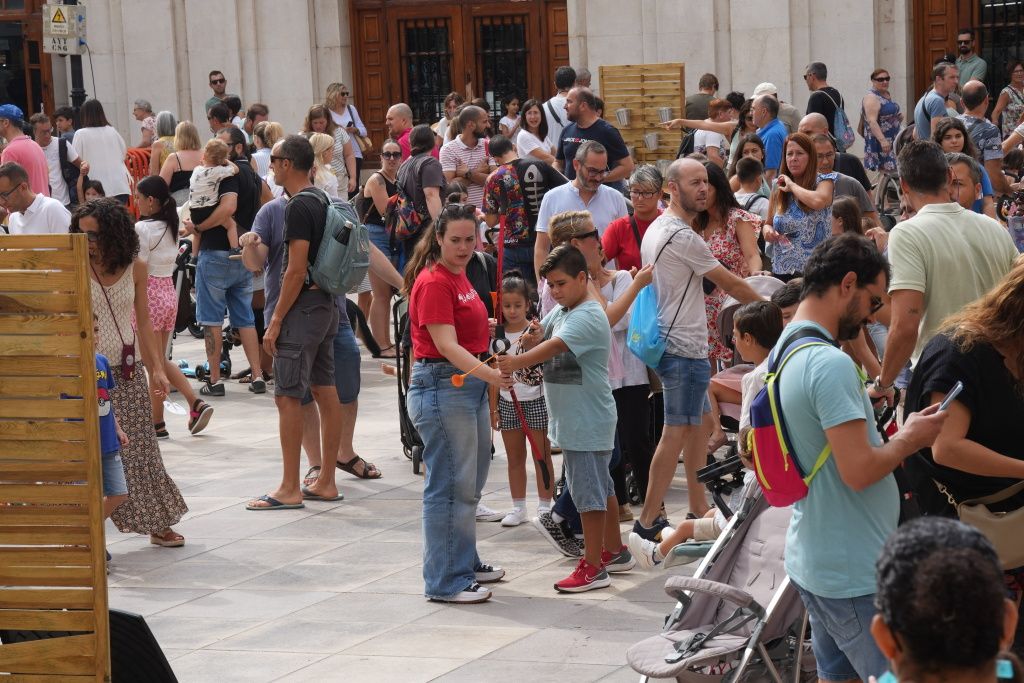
x=455, y=427
x=382, y=240
x=520, y=258
x=223, y=286
x=841, y=636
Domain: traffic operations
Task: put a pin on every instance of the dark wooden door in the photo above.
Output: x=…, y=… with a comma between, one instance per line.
x=936, y=23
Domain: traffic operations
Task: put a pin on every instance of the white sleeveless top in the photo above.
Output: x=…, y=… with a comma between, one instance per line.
x=157, y=247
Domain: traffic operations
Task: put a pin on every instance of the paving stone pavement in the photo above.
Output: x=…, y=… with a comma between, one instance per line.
x=333, y=592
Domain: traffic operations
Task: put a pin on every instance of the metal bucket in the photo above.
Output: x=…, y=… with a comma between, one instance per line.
x=664, y=114
x=622, y=116
x=663, y=165
x=651, y=141
x=631, y=151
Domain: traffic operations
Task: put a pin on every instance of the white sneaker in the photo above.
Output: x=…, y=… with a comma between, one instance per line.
x=475, y=593
x=486, y=514
x=514, y=518
x=644, y=552
x=486, y=573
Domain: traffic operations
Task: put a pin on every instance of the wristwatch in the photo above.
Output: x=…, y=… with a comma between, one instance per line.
x=878, y=386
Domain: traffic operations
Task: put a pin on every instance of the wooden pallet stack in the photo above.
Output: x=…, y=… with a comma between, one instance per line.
x=643, y=89
x=52, y=569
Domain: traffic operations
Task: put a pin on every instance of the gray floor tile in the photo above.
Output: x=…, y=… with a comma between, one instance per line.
x=573, y=646
x=365, y=669
x=467, y=641
x=194, y=632
x=517, y=672
x=303, y=635
x=248, y=604
x=239, y=667
x=371, y=607
x=147, y=601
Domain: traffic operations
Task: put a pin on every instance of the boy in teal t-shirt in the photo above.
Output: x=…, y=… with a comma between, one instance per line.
x=576, y=341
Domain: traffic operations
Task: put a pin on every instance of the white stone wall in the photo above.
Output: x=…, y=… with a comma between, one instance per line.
x=279, y=52
x=746, y=42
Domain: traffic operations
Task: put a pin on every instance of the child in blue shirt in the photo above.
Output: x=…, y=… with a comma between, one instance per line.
x=582, y=420
x=115, y=490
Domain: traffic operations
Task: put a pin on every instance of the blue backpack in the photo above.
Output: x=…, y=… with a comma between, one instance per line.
x=644, y=338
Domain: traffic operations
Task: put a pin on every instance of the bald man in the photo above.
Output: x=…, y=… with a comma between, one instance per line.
x=398, y=121
x=846, y=163
x=987, y=138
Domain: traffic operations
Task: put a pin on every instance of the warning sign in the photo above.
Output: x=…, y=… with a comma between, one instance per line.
x=57, y=20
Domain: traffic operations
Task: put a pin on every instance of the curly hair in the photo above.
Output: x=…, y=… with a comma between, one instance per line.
x=118, y=243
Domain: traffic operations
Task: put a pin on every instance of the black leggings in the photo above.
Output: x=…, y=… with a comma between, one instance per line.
x=634, y=431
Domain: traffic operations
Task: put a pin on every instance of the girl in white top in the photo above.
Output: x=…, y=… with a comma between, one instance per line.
x=158, y=248
x=323, y=175
x=516, y=306
x=104, y=149
x=533, y=130
x=509, y=123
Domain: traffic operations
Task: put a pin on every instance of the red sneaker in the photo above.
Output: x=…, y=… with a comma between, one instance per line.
x=584, y=578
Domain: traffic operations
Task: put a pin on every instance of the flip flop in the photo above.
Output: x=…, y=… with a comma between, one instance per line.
x=308, y=494
x=368, y=467
x=275, y=504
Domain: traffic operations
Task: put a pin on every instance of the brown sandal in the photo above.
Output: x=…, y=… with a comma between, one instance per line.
x=370, y=470
x=168, y=538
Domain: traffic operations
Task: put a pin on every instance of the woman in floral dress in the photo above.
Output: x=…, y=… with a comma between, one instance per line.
x=799, y=209
x=882, y=120
x=731, y=234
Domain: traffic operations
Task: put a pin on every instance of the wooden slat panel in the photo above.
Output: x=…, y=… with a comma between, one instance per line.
x=38, y=387
x=25, y=323
x=37, y=280
x=36, y=557
x=40, y=366
x=43, y=471
x=62, y=408
x=35, y=345
x=68, y=655
x=43, y=535
x=39, y=620
x=49, y=302
x=50, y=515
x=42, y=449
x=44, y=493
x=57, y=598
x=43, y=678
x=45, y=576
x=36, y=259
x=38, y=241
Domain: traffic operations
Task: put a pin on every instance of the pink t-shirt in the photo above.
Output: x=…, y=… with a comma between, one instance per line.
x=24, y=151
x=403, y=142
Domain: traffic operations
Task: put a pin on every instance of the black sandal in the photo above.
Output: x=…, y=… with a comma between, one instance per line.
x=161, y=430
x=369, y=469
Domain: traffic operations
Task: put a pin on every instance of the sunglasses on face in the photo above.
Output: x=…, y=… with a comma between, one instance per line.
x=593, y=233
x=218, y=81
x=391, y=155
x=274, y=157
x=963, y=42
x=882, y=79
x=343, y=93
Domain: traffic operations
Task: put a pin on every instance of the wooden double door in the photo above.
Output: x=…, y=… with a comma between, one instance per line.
x=26, y=77
x=417, y=52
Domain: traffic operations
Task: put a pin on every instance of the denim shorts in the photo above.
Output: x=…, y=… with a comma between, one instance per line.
x=113, y=475
x=223, y=286
x=685, y=386
x=841, y=637
x=346, y=365
x=589, y=478
x=305, y=348
x=380, y=238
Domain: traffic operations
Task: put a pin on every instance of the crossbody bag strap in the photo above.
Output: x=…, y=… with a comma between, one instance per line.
x=685, y=291
x=110, y=308
x=551, y=108
x=636, y=231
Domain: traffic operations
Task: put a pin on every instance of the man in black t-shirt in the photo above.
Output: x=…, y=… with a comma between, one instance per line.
x=581, y=108
x=824, y=98
x=300, y=335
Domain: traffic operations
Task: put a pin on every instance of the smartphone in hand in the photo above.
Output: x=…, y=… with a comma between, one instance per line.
x=953, y=393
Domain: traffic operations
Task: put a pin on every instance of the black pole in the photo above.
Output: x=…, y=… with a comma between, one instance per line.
x=77, y=79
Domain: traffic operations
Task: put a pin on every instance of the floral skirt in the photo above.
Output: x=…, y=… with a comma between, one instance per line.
x=154, y=501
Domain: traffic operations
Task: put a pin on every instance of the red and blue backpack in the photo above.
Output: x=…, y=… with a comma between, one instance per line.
x=782, y=479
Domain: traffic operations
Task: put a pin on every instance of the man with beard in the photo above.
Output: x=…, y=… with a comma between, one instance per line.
x=586, y=124
x=971, y=66
x=466, y=156
x=942, y=259
x=837, y=531
x=681, y=259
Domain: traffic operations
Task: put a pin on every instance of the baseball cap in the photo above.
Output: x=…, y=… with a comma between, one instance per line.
x=11, y=112
x=765, y=89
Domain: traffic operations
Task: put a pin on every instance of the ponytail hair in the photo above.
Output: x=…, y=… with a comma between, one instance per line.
x=428, y=249
x=156, y=187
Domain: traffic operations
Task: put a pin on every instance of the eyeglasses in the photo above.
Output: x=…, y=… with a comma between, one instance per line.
x=827, y=155
x=882, y=79
x=274, y=157
x=90, y=235
x=594, y=171
x=643, y=194
x=218, y=81
x=5, y=195
x=592, y=233
x=391, y=155
x=806, y=76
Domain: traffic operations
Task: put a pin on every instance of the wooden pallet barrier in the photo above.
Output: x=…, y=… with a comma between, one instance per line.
x=52, y=566
x=643, y=89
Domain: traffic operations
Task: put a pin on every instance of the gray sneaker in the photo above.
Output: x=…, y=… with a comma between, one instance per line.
x=622, y=561
x=212, y=389
x=258, y=386
x=559, y=534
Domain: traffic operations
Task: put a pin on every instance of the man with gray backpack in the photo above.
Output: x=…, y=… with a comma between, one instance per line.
x=828, y=102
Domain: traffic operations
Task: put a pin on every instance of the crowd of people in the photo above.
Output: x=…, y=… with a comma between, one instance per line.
x=525, y=247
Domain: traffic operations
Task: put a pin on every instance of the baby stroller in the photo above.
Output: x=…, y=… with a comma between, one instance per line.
x=184, y=278
x=738, y=618
x=412, y=444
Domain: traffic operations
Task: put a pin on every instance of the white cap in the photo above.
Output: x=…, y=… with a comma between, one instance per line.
x=765, y=89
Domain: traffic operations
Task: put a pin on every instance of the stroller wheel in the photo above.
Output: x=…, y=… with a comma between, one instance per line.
x=201, y=372
x=417, y=459
x=196, y=330
x=633, y=489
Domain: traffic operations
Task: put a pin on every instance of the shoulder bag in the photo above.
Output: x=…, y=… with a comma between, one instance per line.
x=1003, y=529
x=643, y=337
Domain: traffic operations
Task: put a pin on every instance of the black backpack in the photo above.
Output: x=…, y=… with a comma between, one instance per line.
x=68, y=170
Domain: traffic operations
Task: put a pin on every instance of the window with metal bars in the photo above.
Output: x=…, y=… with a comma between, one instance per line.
x=1000, y=33
x=426, y=66
x=502, y=60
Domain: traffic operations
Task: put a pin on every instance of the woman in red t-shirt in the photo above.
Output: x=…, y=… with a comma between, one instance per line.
x=448, y=323
x=619, y=241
